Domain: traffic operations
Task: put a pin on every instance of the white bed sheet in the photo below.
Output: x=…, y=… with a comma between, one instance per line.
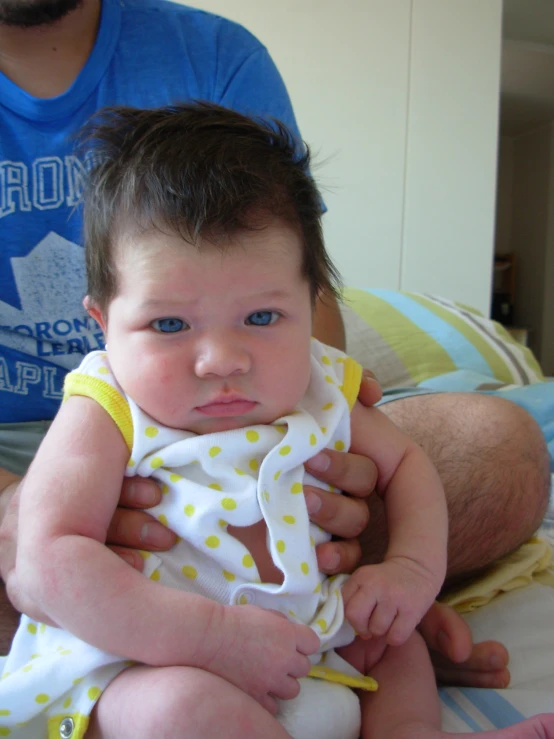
x=524, y=621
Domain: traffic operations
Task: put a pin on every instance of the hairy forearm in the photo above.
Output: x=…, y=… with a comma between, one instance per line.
x=148, y=622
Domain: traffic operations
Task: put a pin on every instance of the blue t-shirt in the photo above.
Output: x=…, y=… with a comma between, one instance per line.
x=148, y=53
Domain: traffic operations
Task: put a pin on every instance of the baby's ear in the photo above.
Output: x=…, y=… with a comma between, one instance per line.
x=94, y=311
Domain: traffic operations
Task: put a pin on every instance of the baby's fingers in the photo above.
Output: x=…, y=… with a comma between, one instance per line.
x=401, y=630
x=359, y=610
x=269, y=703
x=382, y=618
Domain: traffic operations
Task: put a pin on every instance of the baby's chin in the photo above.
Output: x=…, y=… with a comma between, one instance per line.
x=217, y=425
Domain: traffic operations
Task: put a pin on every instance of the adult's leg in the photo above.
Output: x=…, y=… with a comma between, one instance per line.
x=170, y=702
x=494, y=465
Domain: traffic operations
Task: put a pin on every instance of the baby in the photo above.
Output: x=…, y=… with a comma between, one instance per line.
x=204, y=257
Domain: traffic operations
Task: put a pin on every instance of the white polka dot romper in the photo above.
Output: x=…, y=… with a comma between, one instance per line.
x=51, y=680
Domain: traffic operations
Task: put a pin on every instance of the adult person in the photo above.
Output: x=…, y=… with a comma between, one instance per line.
x=61, y=60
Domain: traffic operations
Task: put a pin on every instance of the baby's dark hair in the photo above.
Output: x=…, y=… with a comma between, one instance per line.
x=201, y=171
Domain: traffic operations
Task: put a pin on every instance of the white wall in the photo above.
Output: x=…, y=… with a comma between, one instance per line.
x=398, y=98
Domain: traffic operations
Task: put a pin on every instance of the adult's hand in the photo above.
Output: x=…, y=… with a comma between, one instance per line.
x=347, y=515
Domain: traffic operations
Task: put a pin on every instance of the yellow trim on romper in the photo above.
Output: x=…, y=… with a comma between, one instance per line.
x=105, y=395
x=335, y=676
x=351, y=381
x=80, y=725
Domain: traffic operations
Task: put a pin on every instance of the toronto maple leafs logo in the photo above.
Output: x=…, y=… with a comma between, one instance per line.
x=47, y=320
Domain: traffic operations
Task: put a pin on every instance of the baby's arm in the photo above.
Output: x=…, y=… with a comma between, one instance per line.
x=392, y=597
x=68, y=499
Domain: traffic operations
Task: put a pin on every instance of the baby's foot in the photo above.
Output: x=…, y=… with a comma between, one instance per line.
x=456, y=659
x=538, y=727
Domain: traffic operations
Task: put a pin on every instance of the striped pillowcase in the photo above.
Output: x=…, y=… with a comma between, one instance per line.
x=407, y=338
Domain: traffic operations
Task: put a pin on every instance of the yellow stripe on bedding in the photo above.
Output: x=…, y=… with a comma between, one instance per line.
x=105, y=395
x=417, y=350
x=500, y=369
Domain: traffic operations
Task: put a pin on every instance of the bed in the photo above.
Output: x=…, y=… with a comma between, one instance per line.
x=429, y=344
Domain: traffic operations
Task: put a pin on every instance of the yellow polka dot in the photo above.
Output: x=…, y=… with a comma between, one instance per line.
x=5, y=675
x=284, y=450
x=27, y=668
x=277, y=475
x=165, y=489
x=297, y=488
x=162, y=518
x=252, y=436
x=292, y=614
x=212, y=542
x=35, y=656
x=174, y=477
x=339, y=446
x=312, y=541
x=215, y=486
x=229, y=575
x=4, y=731
x=214, y=451
x=253, y=464
x=305, y=567
x=266, y=496
x=322, y=623
x=229, y=504
x=323, y=429
x=189, y=510
x=317, y=588
x=341, y=360
x=77, y=680
x=222, y=523
x=239, y=472
x=4, y=712
x=248, y=561
x=155, y=576
x=67, y=703
x=32, y=628
x=103, y=371
x=131, y=463
x=144, y=554
x=42, y=698
x=313, y=439
x=94, y=693
x=332, y=489
x=42, y=628
x=289, y=519
x=59, y=649
x=281, y=546
x=156, y=463
x=151, y=431
x=281, y=429
x=190, y=572
x=243, y=600
x=325, y=360
x=327, y=407
x=329, y=380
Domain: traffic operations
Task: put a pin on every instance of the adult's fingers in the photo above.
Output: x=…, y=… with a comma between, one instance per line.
x=338, y=556
x=336, y=514
x=138, y=530
x=352, y=473
x=370, y=391
x=139, y=492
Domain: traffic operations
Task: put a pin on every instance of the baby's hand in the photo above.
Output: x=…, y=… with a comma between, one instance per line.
x=389, y=599
x=262, y=653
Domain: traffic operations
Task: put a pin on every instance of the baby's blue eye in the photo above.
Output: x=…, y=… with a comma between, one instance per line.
x=262, y=318
x=168, y=325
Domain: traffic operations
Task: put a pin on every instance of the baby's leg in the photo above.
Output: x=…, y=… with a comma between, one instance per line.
x=406, y=706
x=170, y=702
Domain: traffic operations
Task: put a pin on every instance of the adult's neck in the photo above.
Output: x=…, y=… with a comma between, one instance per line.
x=45, y=60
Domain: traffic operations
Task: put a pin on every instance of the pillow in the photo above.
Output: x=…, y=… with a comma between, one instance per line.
x=408, y=338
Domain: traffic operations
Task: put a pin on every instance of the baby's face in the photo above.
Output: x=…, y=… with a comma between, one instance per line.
x=205, y=340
